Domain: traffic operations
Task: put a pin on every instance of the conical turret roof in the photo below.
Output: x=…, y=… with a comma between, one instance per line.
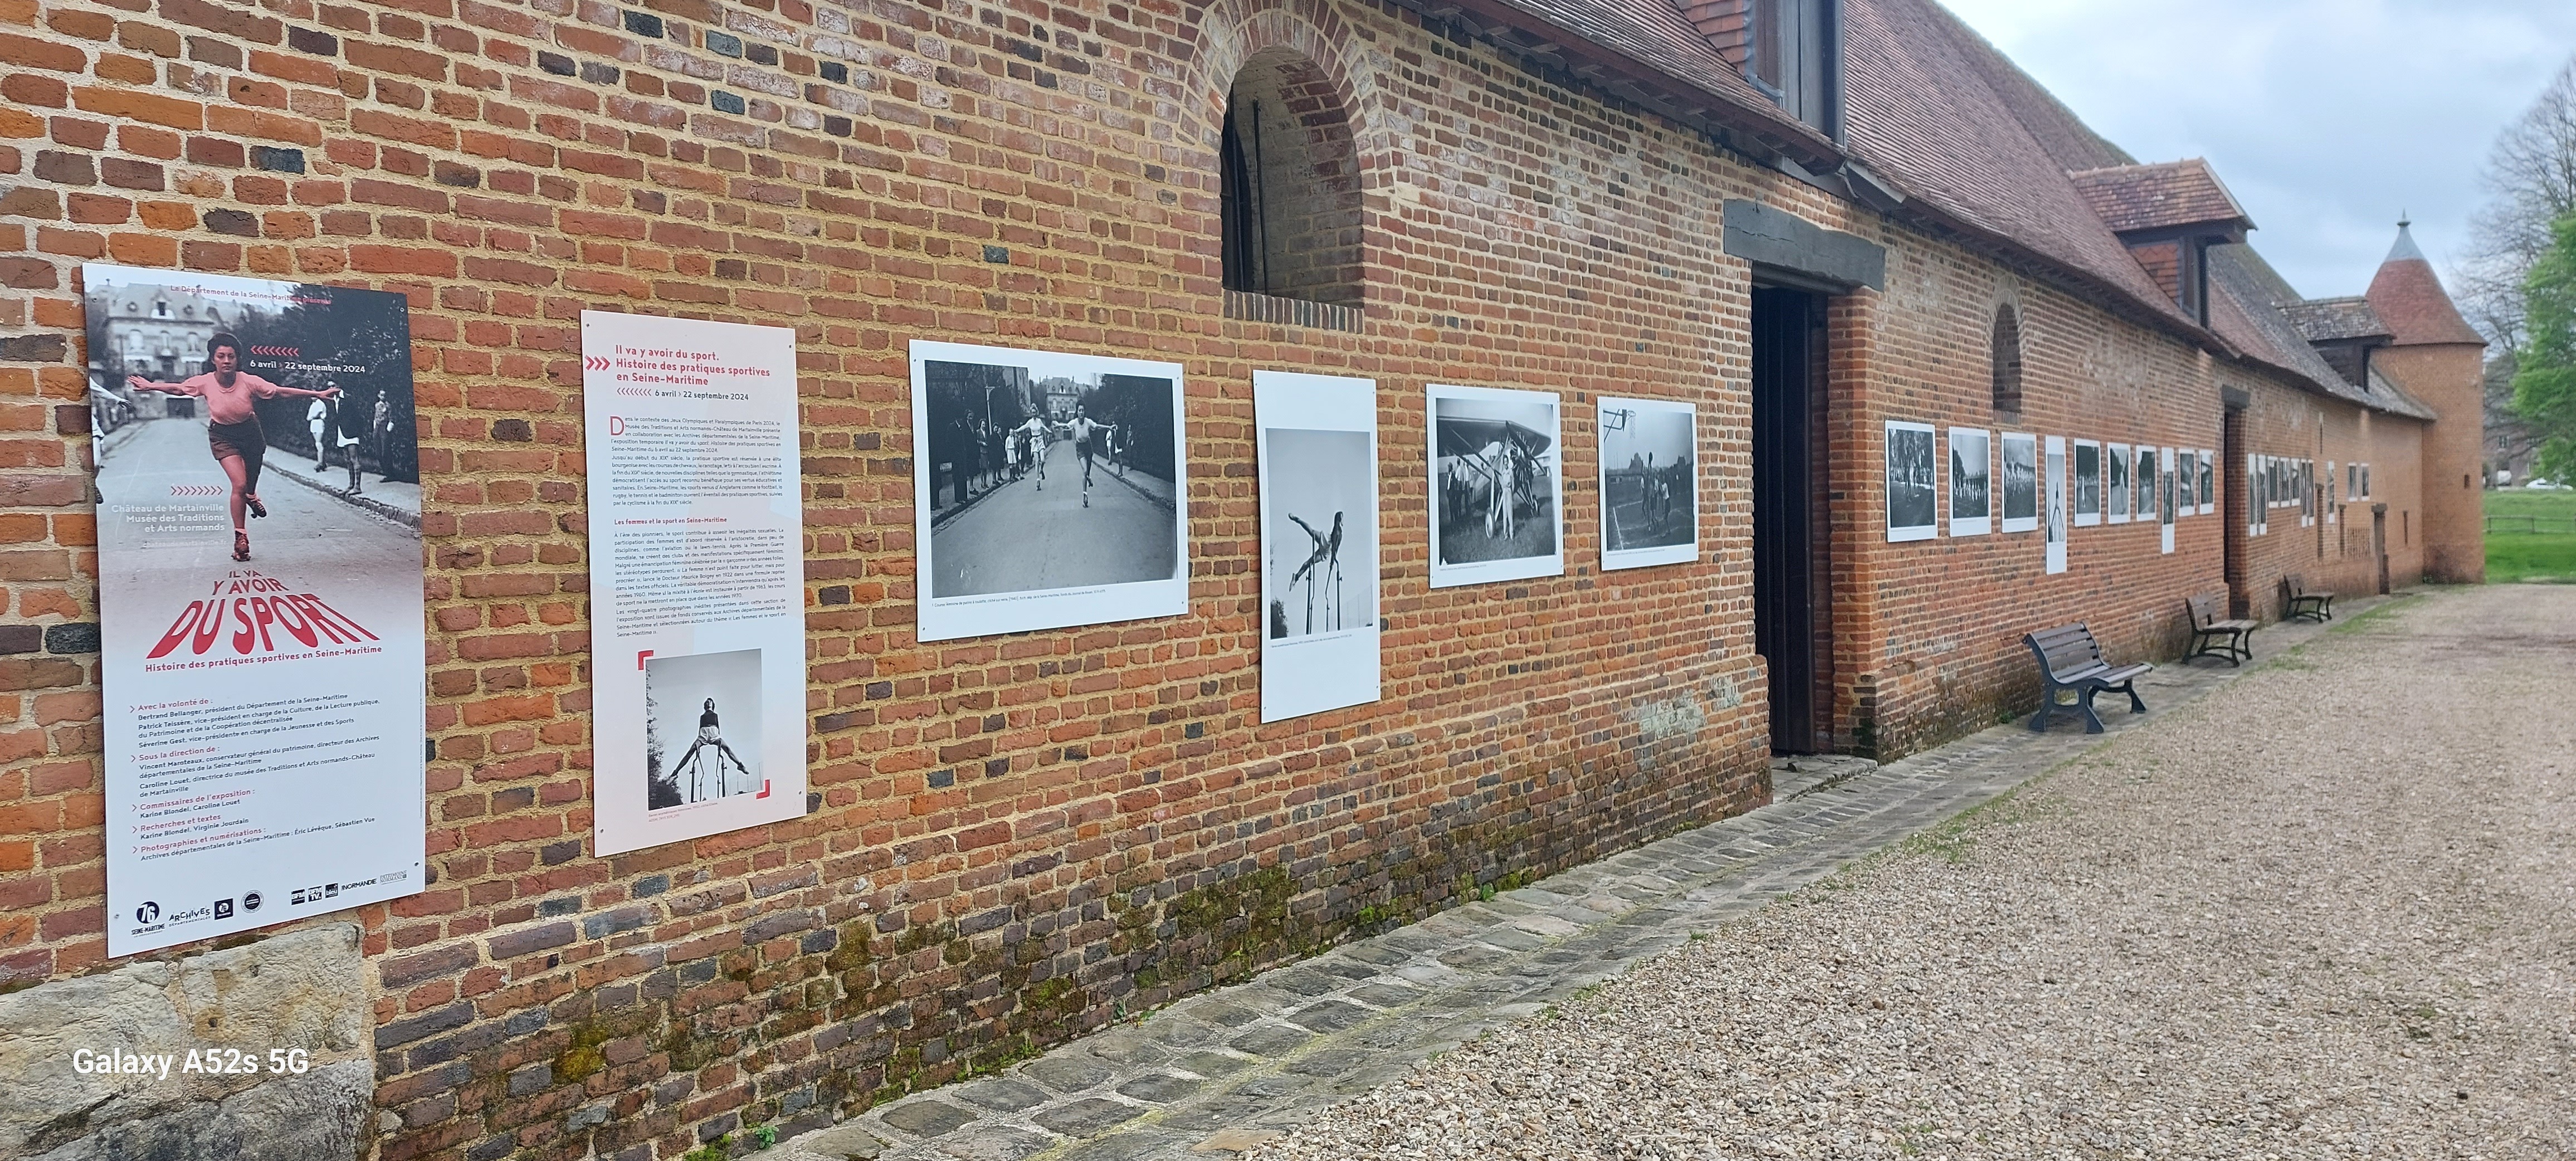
x=2409, y=297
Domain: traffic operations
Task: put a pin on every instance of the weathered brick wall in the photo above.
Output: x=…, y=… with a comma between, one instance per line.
x=1014, y=838
x=2451, y=379
x=1935, y=626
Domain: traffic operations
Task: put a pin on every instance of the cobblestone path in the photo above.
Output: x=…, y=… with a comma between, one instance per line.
x=1234, y=1071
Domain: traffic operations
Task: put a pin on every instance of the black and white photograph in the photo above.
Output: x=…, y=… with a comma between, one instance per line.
x=2115, y=493
x=1495, y=482
x=2186, y=478
x=1046, y=487
x=2057, y=504
x=1319, y=542
x=1971, y=481
x=2208, y=481
x=702, y=728
x=2167, y=474
x=1649, y=493
x=2019, y=452
x=2088, y=483
x=1913, y=510
x=2142, y=483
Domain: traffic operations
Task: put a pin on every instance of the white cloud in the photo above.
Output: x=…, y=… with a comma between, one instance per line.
x=2326, y=117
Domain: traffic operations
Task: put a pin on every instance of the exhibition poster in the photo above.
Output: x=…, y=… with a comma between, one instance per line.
x=1495, y=483
x=260, y=621
x=1649, y=482
x=1319, y=539
x=697, y=577
x=1047, y=490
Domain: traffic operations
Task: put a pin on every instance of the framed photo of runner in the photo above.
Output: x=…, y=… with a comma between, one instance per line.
x=1047, y=489
x=260, y=600
x=1496, y=479
x=1319, y=542
x=1649, y=482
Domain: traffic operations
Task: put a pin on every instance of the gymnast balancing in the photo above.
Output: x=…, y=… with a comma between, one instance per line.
x=709, y=734
x=232, y=428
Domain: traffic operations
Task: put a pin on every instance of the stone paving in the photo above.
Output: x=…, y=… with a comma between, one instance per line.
x=1218, y=1073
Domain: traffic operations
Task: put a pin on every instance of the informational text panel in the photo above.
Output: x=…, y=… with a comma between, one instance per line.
x=697, y=543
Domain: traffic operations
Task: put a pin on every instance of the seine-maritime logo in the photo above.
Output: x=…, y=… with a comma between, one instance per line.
x=148, y=912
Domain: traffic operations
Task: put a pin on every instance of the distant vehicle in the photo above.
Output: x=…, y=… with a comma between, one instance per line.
x=2540, y=485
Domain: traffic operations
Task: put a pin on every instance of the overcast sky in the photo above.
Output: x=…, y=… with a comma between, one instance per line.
x=2326, y=117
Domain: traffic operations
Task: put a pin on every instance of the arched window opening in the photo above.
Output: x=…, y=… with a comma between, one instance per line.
x=2007, y=361
x=1289, y=185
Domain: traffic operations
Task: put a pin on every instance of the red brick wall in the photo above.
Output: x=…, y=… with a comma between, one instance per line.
x=1018, y=837
x=2451, y=379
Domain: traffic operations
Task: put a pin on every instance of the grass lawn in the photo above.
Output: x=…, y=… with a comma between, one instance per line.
x=2515, y=555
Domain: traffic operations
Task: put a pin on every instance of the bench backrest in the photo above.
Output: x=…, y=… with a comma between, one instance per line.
x=2206, y=610
x=2066, y=649
x=2298, y=584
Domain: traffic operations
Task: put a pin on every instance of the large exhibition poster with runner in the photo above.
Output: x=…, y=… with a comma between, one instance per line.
x=1317, y=459
x=1047, y=490
x=697, y=578
x=259, y=600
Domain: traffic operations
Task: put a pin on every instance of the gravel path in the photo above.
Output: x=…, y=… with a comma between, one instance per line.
x=2324, y=912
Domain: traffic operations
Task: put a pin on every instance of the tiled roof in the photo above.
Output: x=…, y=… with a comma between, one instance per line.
x=2410, y=297
x=1946, y=118
x=2149, y=197
x=2246, y=298
x=2327, y=320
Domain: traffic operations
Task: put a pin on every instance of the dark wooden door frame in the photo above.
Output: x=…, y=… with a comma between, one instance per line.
x=1792, y=586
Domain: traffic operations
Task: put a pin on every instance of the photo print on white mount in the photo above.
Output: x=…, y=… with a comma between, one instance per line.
x=1649, y=482
x=1496, y=479
x=1317, y=459
x=2167, y=497
x=702, y=728
x=2187, y=478
x=2115, y=488
x=1047, y=489
x=2208, y=481
x=2142, y=483
x=2055, y=476
x=1971, y=481
x=2019, y=452
x=2088, y=483
x=1913, y=466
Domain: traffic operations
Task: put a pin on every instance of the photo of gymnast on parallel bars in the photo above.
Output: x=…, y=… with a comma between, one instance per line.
x=232, y=429
x=713, y=699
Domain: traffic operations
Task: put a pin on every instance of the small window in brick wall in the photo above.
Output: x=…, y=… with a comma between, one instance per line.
x=1290, y=192
x=2007, y=361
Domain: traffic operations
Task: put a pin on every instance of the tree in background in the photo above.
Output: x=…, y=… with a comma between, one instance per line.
x=2531, y=183
x=2544, y=385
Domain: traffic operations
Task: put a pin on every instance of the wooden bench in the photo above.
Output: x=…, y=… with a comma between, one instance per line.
x=2213, y=635
x=2071, y=660
x=2307, y=604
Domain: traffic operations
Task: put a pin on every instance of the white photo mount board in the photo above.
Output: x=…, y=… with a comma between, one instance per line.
x=1311, y=428
x=1532, y=421
x=1638, y=414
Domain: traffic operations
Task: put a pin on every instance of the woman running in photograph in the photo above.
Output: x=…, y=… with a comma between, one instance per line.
x=709, y=735
x=1085, y=433
x=232, y=423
